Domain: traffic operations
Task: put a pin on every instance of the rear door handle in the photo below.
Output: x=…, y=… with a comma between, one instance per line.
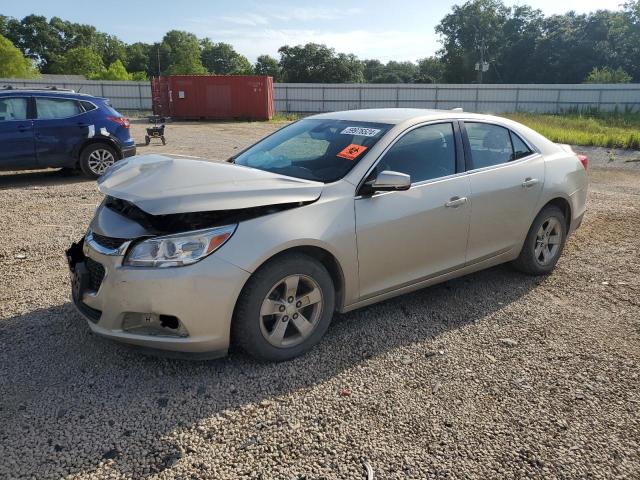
x=529, y=182
x=24, y=128
x=455, y=202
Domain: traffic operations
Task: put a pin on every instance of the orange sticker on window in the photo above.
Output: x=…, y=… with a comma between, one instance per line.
x=352, y=152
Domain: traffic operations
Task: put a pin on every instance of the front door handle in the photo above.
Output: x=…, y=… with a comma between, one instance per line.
x=455, y=202
x=24, y=128
x=529, y=182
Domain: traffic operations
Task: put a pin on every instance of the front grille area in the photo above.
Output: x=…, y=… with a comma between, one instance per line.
x=108, y=242
x=96, y=274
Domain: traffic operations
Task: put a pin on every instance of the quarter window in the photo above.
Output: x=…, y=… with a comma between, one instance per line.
x=52, y=108
x=492, y=145
x=424, y=153
x=13, y=109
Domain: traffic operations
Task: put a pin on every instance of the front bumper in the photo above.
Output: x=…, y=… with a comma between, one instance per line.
x=201, y=296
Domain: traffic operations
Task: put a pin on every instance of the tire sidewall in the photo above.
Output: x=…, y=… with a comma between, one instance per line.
x=246, y=330
x=529, y=261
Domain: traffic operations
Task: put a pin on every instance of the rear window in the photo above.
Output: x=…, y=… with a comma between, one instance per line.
x=314, y=149
x=13, y=109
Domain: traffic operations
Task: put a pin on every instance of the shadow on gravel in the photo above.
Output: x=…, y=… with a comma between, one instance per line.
x=39, y=178
x=76, y=399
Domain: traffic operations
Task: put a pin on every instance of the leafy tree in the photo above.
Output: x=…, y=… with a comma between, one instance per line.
x=13, y=64
x=608, y=75
x=137, y=55
x=267, y=65
x=318, y=63
x=372, y=69
x=430, y=70
x=182, y=53
x=139, y=76
x=116, y=71
x=471, y=31
x=79, y=61
x=222, y=59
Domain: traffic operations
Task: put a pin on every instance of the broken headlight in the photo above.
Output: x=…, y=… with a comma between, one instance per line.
x=178, y=249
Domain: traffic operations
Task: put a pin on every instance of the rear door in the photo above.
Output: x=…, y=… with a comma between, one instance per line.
x=404, y=237
x=61, y=125
x=17, y=147
x=506, y=178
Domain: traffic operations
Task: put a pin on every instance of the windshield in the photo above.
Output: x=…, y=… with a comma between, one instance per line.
x=314, y=149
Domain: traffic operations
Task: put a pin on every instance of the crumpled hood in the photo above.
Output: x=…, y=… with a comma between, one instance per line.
x=162, y=185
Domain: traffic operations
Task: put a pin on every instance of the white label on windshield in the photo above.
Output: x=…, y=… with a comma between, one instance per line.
x=361, y=131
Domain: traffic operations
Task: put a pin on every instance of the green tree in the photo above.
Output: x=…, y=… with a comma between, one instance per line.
x=181, y=51
x=222, y=59
x=372, y=69
x=430, y=70
x=13, y=64
x=116, y=71
x=318, y=63
x=138, y=57
x=267, y=65
x=608, y=75
x=470, y=32
x=79, y=61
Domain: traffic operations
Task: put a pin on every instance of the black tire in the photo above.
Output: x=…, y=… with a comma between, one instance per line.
x=86, y=155
x=247, y=326
x=147, y=140
x=529, y=261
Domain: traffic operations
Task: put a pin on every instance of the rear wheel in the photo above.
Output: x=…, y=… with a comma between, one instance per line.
x=284, y=309
x=96, y=158
x=544, y=242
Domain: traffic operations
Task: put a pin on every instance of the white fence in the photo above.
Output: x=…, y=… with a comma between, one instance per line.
x=315, y=97
x=123, y=95
x=309, y=97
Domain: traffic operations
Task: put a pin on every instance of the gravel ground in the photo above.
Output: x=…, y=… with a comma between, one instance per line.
x=494, y=375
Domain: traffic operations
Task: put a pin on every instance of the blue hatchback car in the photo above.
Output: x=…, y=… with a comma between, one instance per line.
x=59, y=128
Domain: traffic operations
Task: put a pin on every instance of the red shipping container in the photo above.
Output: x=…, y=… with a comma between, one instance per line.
x=213, y=96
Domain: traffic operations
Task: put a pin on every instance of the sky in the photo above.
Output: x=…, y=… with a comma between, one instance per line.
x=383, y=29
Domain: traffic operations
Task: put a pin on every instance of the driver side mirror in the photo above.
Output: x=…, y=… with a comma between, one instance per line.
x=388, y=181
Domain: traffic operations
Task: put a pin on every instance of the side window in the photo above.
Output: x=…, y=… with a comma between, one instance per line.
x=490, y=144
x=50, y=108
x=424, y=153
x=13, y=109
x=520, y=149
x=88, y=106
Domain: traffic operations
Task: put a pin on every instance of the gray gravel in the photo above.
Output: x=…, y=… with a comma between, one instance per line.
x=495, y=375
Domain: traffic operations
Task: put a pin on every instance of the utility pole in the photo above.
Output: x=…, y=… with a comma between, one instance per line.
x=482, y=65
x=159, y=74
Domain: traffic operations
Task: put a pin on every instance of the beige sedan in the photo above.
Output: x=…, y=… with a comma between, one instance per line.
x=331, y=213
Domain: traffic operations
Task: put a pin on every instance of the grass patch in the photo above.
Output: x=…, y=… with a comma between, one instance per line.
x=610, y=130
x=285, y=117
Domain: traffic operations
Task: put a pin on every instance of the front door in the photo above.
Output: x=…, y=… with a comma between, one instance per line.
x=407, y=236
x=17, y=149
x=506, y=178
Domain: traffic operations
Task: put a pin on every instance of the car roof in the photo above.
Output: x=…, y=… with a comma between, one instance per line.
x=44, y=92
x=396, y=116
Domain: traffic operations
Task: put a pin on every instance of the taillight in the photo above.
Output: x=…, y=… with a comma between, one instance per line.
x=124, y=121
x=584, y=160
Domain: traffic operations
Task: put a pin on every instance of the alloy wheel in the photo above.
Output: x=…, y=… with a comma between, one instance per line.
x=548, y=241
x=99, y=160
x=291, y=310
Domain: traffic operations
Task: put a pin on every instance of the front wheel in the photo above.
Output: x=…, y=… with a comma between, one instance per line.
x=284, y=309
x=544, y=242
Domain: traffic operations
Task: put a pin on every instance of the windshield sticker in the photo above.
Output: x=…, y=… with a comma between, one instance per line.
x=352, y=152
x=361, y=131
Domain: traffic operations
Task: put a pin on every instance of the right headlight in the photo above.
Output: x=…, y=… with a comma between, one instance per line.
x=178, y=249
